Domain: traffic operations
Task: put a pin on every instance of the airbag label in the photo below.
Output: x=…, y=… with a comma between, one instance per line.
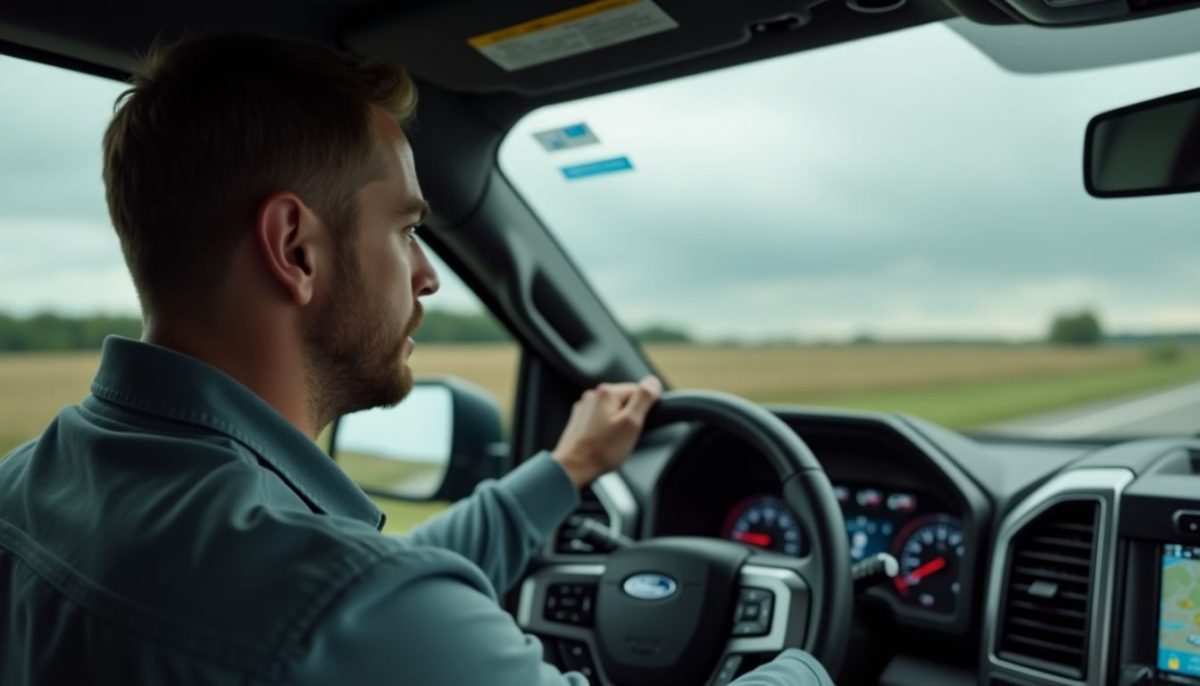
x=572, y=32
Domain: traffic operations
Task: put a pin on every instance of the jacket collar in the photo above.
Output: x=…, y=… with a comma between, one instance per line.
x=162, y=382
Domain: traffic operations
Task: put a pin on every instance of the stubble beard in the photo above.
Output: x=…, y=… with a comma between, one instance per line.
x=355, y=350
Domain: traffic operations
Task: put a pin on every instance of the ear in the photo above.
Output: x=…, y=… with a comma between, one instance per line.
x=290, y=239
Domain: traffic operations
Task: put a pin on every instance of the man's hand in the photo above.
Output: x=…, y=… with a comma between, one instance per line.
x=605, y=423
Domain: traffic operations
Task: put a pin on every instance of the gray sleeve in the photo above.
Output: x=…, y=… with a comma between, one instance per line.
x=792, y=667
x=435, y=631
x=504, y=523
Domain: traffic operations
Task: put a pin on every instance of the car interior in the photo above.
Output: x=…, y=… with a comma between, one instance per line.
x=896, y=550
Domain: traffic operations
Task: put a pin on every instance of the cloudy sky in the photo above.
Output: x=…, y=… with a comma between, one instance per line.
x=903, y=185
x=59, y=252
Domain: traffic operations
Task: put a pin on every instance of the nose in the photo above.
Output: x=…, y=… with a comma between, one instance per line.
x=425, y=278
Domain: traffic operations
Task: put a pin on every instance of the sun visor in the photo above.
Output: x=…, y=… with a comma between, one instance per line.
x=1037, y=50
x=540, y=46
x=1083, y=12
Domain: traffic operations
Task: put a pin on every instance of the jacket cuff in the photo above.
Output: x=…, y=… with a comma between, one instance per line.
x=544, y=491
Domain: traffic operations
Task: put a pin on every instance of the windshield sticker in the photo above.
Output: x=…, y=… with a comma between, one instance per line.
x=572, y=32
x=573, y=136
x=615, y=164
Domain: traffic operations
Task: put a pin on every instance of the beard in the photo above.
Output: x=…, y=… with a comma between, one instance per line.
x=355, y=349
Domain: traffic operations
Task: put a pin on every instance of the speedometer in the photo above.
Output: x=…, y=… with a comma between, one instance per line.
x=765, y=521
x=930, y=551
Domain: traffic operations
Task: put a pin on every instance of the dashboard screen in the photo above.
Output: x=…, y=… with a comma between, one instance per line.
x=1179, y=611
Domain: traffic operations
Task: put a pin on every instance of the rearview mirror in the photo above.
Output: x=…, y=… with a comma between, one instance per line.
x=437, y=444
x=1150, y=148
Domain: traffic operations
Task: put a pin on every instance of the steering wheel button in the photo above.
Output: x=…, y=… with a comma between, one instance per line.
x=577, y=658
x=755, y=595
x=751, y=628
x=728, y=671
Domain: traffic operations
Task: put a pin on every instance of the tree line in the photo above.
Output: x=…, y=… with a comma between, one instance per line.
x=55, y=332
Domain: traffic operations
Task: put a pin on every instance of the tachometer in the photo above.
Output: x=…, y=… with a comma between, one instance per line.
x=929, y=550
x=765, y=521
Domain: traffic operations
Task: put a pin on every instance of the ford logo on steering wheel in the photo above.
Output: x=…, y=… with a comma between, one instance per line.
x=650, y=586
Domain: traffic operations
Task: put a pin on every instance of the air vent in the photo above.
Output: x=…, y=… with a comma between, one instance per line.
x=1045, y=606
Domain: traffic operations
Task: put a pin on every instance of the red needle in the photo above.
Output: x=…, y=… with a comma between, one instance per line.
x=914, y=577
x=760, y=540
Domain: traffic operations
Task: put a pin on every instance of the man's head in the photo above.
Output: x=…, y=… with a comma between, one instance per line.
x=241, y=168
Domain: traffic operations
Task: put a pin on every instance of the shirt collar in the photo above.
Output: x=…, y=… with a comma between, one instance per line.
x=163, y=382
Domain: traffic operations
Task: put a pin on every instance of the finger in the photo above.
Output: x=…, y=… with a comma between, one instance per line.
x=616, y=395
x=646, y=393
x=653, y=384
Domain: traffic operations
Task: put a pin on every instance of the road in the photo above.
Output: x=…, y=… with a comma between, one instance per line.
x=1171, y=411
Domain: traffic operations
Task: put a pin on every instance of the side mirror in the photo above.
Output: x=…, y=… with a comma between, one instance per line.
x=437, y=444
x=1151, y=148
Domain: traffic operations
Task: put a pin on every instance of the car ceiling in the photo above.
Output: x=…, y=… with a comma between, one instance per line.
x=431, y=38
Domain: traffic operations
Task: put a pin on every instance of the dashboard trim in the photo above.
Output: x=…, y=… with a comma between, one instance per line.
x=618, y=502
x=1101, y=484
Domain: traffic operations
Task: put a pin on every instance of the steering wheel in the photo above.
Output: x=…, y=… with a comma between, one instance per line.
x=691, y=610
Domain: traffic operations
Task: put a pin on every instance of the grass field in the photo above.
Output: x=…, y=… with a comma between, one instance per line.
x=959, y=386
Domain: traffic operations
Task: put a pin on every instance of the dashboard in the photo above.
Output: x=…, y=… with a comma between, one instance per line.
x=1022, y=562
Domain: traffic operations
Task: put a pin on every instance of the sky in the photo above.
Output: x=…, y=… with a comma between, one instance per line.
x=59, y=252
x=902, y=186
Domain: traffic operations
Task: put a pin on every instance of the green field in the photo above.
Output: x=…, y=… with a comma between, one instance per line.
x=958, y=386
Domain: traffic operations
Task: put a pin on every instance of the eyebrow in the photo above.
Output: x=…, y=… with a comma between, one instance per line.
x=420, y=208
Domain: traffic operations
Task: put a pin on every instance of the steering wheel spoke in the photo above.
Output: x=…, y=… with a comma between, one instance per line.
x=558, y=604
x=771, y=611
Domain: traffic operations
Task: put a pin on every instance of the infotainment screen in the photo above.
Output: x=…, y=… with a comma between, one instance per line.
x=1179, y=611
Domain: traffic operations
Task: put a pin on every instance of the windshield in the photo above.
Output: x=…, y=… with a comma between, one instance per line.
x=895, y=223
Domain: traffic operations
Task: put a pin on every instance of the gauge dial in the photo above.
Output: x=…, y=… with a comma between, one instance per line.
x=765, y=521
x=930, y=551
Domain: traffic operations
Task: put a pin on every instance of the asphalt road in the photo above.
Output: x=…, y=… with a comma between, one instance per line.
x=1172, y=411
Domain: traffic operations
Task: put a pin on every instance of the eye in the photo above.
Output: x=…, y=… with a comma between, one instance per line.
x=411, y=231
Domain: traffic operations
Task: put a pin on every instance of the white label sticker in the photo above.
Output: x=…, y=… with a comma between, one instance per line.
x=572, y=32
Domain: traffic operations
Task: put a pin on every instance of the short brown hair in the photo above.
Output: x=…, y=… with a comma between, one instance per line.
x=212, y=126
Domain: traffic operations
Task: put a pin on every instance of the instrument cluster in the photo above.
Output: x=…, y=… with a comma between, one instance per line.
x=915, y=528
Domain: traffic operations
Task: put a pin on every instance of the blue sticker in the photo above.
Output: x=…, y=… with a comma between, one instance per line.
x=573, y=136
x=615, y=164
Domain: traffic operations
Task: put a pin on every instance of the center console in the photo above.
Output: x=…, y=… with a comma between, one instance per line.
x=1159, y=641
x=1096, y=577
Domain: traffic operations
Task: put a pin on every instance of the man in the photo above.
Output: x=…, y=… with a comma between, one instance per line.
x=179, y=525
